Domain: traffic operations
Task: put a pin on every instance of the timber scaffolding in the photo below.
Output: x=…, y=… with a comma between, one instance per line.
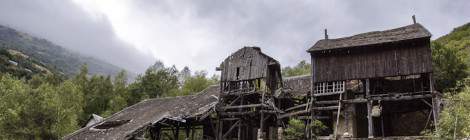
x=372, y=85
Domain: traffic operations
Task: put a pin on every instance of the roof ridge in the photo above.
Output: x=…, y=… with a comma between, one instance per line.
x=407, y=32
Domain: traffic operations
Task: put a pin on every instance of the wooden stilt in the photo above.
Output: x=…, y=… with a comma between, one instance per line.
x=435, y=105
x=193, y=130
x=369, y=110
x=177, y=132
x=220, y=132
x=337, y=115
x=261, y=125
x=187, y=129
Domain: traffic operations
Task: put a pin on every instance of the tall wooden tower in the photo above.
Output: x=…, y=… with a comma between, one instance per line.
x=247, y=107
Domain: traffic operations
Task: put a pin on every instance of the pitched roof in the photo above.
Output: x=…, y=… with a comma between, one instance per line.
x=148, y=112
x=409, y=32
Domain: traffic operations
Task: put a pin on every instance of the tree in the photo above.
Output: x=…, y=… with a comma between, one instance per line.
x=454, y=122
x=44, y=112
x=196, y=83
x=120, y=94
x=296, y=129
x=302, y=68
x=157, y=81
x=450, y=63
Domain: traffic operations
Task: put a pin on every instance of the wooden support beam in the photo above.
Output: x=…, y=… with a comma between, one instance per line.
x=316, y=117
x=293, y=113
x=390, y=98
x=243, y=106
x=435, y=102
x=187, y=130
x=326, y=94
x=237, y=113
x=337, y=116
x=234, y=101
x=296, y=107
x=261, y=125
x=231, y=128
x=327, y=102
x=230, y=119
x=177, y=132
x=369, y=111
x=326, y=108
x=427, y=103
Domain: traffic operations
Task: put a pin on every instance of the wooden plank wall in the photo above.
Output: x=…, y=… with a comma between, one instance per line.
x=404, y=58
x=251, y=63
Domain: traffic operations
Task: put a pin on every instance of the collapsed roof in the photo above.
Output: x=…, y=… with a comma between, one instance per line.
x=409, y=32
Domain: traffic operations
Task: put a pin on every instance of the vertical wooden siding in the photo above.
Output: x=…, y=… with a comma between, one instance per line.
x=250, y=62
x=396, y=59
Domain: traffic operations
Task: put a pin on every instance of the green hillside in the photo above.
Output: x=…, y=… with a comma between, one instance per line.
x=460, y=34
x=51, y=55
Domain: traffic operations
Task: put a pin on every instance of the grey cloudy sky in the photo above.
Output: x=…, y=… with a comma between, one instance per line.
x=201, y=33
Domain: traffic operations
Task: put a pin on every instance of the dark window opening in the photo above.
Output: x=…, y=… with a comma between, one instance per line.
x=238, y=73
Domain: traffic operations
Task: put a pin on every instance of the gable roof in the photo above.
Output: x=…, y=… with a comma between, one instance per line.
x=413, y=31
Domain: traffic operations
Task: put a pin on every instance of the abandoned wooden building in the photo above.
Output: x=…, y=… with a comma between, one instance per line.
x=249, y=80
x=375, y=84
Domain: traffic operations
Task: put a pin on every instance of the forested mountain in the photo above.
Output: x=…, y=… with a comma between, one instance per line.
x=51, y=55
x=460, y=34
x=20, y=65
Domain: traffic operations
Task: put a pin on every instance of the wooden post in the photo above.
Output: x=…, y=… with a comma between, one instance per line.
x=369, y=110
x=434, y=100
x=221, y=130
x=279, y=133
x=312, y=90
x=193, y=131
x=337, y=115
x=187, y=129
x=261, y=125
x=177, y=132
x=241, y=121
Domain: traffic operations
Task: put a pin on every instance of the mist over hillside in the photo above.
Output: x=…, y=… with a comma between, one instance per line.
x=52, y=55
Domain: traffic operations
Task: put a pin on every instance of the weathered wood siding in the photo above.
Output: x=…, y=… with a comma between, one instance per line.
x=394, y=59
x=249, y=61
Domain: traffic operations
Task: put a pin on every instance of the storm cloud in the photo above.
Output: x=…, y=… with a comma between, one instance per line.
x=200, y=34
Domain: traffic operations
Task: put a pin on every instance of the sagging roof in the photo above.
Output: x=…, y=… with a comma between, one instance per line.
x=125, y=123
x=409, y=32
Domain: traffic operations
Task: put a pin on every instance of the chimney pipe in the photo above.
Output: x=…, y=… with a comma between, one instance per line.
x=326, y=34
x=414, y=19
